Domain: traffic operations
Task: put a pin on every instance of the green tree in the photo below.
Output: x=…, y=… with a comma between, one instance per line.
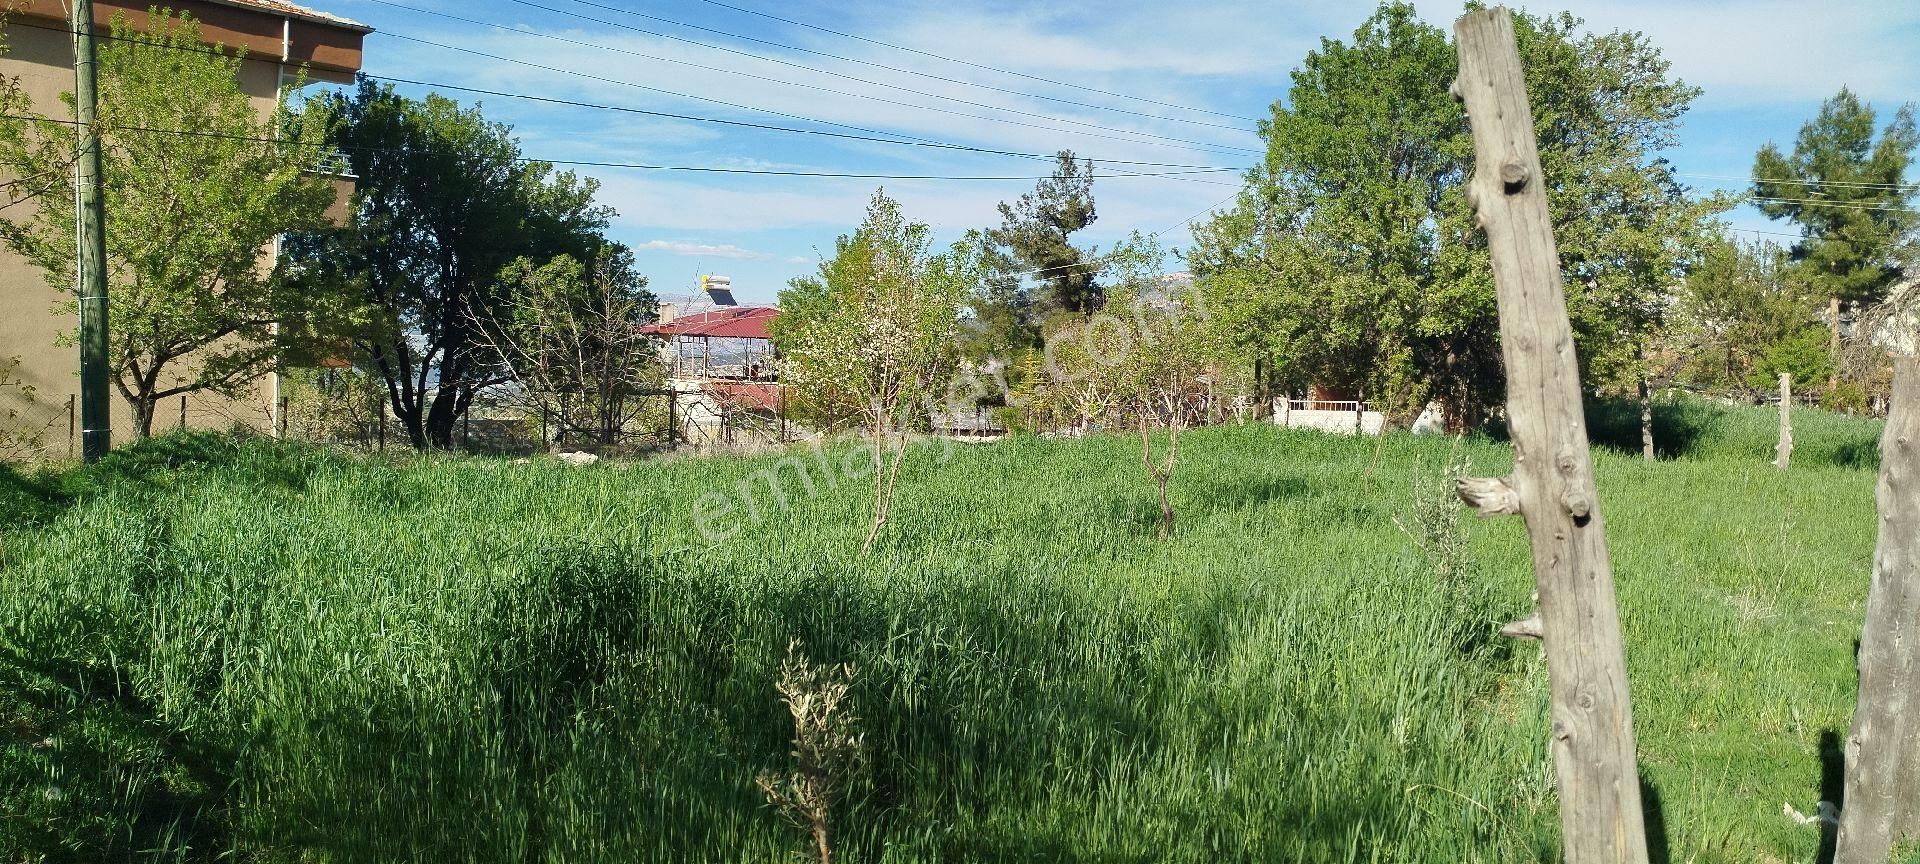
x=568, y=334
x=1844, y=191
x=1353, y=252
x=1036, y=234
x=197, y=186
x=1742, y=319
x=873, y=338
x=443, y=203
x=1147, y=360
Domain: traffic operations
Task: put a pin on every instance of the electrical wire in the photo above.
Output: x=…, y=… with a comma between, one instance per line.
x=1840, y=183
x=976, y=65
x=902, y=140
x=898, y=137
x=930, y=75
x=741, y=123
x=1850, y=205
x=1218, y=150
x=587, y=163
x=867, y=81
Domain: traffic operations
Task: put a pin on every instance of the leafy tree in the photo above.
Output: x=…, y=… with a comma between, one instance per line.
x=1035, y=233
x=1352, y=259
x=1147, y=360
x=197, y=185
x=443, y=203
x=1741, y=319
x=1843, y=189
x=872, y=338
x=335, y=402
x=569, y=335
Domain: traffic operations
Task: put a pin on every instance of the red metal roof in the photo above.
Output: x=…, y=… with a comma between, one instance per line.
x=733, y=322
x=743, y=394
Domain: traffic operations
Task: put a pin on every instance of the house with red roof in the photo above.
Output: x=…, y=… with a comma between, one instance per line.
x=722, y=370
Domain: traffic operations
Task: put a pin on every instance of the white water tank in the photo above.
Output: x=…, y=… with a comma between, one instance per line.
x=719, y=289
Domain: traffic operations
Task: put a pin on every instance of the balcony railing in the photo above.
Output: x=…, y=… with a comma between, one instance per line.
x=333, y=163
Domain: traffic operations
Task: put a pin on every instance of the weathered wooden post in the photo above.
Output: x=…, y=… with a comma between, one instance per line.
x=1552, y=484
x=1783, y=451
x=1882, y=805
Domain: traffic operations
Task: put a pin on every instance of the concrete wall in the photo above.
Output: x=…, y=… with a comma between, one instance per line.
x=32, y=324
x=1337, y=422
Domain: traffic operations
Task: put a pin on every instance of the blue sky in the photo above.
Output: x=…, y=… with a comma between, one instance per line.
x=1764, y=66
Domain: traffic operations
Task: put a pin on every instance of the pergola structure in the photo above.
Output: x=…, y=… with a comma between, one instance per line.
x=729, y=343
x=720, y=366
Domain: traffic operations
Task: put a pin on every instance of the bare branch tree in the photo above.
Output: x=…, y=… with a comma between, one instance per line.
x=569, y=335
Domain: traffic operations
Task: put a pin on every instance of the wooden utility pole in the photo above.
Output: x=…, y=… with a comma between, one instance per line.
x=1783, y=451
x=1552, y=483
x=1882, y=806
x=96, y=420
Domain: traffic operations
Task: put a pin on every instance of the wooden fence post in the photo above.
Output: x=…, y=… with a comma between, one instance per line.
x=1783, y=451
x=1552, y=483
x=1882, y=806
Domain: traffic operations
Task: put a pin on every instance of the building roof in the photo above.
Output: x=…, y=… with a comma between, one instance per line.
x=751, y=396
x=729, y=322
x=295, y=10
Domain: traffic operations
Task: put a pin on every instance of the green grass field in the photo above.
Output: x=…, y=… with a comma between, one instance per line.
x=212, y=648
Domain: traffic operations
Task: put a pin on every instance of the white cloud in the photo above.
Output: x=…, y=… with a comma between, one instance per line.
x=1765, y=51
x=1226, y=56
x=645, y=84
x=702, y=250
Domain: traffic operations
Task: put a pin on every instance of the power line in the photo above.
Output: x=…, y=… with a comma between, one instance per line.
x=742, y=123
x=1841, y=183
x=871, y=82
x=1184, y=222
x=909, y=140
x=978, y=65
x=1102, y=262
x=900, y=138
x=576, y=162
x=1850, y=205
x=583, y=43
x=930, y=75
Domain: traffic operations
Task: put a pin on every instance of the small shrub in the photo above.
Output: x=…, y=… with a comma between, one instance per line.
x=1435, y=522
x=826, y=746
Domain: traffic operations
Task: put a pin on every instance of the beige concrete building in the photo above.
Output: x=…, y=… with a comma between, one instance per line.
x=281, y=40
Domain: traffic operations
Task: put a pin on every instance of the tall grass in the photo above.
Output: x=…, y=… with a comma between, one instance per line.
x=212, y=648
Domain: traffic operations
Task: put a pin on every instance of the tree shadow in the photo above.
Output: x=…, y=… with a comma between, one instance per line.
x=1679, y=427
x=1229, y=491
x=1654, y=812
x=1833, y=788
x=1862, y=453
x=38, y=497
x=81, y=750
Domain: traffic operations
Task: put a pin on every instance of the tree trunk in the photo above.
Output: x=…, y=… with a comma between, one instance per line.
x=1783, y=451
x=143, y=407
x=442, y=414
x=1882, y=807
x=1646, y=418
x=1162, y=473
x=1552, y=485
